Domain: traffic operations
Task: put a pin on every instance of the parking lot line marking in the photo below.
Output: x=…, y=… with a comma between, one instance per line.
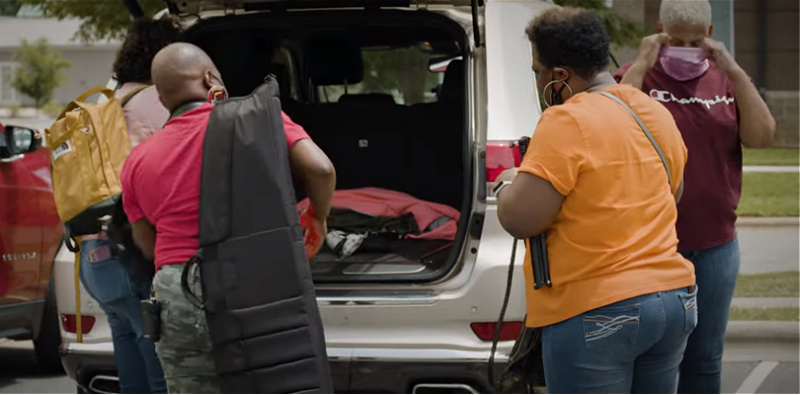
x=756, y=377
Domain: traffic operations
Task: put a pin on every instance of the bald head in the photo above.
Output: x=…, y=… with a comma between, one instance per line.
x=182, y=73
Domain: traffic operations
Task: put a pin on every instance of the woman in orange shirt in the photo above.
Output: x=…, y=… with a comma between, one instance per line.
x=623, y=301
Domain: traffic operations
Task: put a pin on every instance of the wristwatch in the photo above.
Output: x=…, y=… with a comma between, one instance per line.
x=500, y=187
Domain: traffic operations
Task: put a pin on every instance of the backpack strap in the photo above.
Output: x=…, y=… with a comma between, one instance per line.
x=128, y=96
x=91, y=92
x=646, y=132
x=77, y=279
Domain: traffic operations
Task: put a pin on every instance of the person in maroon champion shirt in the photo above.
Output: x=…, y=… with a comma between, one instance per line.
x=717, y=109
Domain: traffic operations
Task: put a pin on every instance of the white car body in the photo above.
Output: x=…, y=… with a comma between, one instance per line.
x=402, y=324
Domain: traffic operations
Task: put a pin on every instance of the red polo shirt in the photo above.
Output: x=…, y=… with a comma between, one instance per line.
x=161, y=182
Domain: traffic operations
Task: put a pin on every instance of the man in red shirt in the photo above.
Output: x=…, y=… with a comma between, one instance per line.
x=717, y=108
x=161, y=193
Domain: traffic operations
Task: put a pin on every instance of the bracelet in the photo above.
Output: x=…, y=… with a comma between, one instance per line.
x=500, y=187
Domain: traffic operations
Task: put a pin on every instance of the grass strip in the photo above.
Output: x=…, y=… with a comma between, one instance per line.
x=768, y=285
x=771, y=157
x=767, y=314
x=770, y=195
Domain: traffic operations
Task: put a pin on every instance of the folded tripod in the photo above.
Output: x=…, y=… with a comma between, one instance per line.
x=537, y=245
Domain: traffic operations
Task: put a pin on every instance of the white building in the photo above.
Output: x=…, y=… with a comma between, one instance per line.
x=91, y=64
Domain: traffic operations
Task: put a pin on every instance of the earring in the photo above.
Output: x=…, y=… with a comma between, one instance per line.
x=216, y=93
x=551, y=83
x=211, y=96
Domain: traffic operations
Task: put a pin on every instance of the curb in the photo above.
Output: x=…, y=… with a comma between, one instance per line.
x=763, y=331
x=770, y=169
x=765, y=302
x=768, y=221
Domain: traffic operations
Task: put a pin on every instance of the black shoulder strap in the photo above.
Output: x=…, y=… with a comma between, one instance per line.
x=128, y=96
x=186, y=107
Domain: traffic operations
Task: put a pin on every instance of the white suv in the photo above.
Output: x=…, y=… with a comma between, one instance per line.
x=421, y=97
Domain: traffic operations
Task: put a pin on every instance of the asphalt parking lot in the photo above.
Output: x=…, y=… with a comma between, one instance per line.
x=772, y=369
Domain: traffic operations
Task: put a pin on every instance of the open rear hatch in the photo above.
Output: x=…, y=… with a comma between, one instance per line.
x=193, y=7
x=196, y=7
x=391, y=152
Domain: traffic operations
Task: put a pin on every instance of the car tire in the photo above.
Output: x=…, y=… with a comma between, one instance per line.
x=48, y=342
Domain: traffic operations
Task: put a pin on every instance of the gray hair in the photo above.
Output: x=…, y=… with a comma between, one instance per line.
x=695, y=12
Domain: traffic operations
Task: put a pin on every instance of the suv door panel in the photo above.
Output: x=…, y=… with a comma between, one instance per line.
x=52, y=230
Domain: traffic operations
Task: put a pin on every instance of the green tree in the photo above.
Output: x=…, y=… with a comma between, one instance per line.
x=9, y=7
x=624, y=31
x=101, y=19
x=40, y=71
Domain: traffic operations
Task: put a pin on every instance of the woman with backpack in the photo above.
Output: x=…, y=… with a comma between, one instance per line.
x=120, y=278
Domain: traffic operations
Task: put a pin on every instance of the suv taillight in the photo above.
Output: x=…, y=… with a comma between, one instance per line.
x=70, y=323
x=485, y=330
x=502, y=155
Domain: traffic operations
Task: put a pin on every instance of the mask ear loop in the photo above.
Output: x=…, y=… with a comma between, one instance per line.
x=552, y=94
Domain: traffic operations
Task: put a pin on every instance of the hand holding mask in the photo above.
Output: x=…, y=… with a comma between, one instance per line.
x=650, y=49
x=717, y=51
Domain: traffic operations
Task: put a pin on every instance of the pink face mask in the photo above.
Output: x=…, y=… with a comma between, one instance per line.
x=684, y=63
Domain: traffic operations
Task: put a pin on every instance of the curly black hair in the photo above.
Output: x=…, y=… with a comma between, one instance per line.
x=145, y=37
x=571, y=37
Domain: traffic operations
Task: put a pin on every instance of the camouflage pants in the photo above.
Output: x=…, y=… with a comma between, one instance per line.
x=185, y=348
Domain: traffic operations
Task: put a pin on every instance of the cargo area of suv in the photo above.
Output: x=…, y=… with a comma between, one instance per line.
x=383, y=93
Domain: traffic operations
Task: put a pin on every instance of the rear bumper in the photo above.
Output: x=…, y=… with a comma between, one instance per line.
x=84, y=366
x=421, y=377
x=94, y=371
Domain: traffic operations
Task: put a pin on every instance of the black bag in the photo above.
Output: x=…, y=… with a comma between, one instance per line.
x=524, y=373
x=258, y=293
x=120, y=233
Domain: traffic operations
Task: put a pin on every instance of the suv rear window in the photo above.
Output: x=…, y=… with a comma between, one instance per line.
x=402, y=73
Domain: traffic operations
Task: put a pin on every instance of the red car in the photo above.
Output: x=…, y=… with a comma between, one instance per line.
x=30, y=236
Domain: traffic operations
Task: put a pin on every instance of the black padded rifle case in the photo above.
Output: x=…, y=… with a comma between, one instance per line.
x=258, y=293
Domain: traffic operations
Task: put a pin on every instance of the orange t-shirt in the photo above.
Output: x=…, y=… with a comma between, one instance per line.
x=614, y=237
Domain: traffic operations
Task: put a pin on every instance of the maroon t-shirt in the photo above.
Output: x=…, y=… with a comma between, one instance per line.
x=705, y=112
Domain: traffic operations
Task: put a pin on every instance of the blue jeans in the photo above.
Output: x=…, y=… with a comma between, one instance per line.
x=716, y=270
x=109, y=282
x=632, y=346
